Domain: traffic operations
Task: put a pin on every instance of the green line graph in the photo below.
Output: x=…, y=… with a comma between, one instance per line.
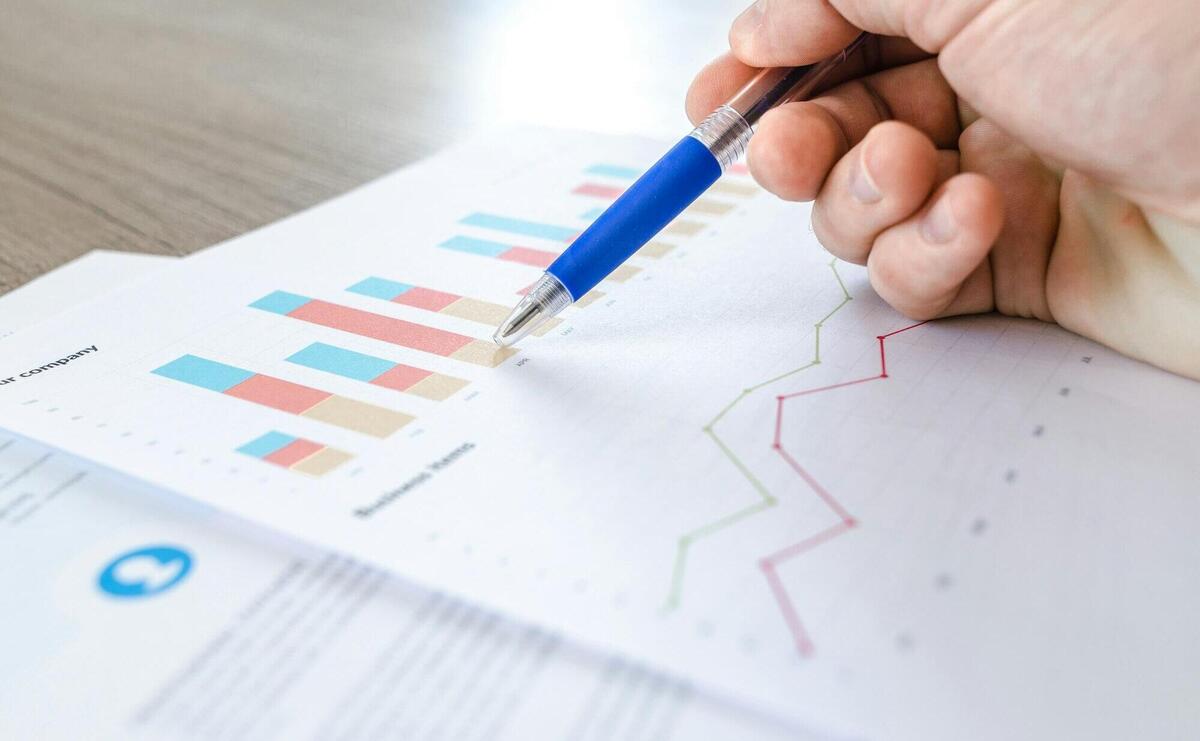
x=764, y=499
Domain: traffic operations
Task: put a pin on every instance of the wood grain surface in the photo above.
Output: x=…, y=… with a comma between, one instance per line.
x=165, y=126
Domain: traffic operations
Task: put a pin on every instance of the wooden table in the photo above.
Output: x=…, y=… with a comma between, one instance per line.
x=164, y=126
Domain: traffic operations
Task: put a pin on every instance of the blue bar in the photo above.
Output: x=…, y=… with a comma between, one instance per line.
x=379, y=288
x=614, y=171
x=519, y=226
x=593, y=214
x=280, y=302
x=269, y=443
x=339, y=362
x=476, y=246
x=204, y=373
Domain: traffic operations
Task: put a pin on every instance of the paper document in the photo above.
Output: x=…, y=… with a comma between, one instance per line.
x=151, y=616
x=91, y=275
x=142, y=615
x=731, y=461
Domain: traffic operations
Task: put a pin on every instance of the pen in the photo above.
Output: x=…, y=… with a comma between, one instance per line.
x=663, y=192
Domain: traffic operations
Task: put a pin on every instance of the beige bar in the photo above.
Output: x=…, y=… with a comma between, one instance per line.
x=734, y=189
x=358, y=416
x=481, y=352
x=322, y=462
x=656, y=249
x=590, y=298
x=710, y=207
x=546, y=328
x=684, y=228
x=623, y=273
x=437, y=387
x=477, y=311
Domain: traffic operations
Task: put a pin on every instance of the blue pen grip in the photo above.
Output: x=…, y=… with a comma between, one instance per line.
x=675, y=181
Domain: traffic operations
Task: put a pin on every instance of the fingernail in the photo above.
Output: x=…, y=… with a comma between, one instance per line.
x=939, y=225
x=862, y=185
x=748, y=22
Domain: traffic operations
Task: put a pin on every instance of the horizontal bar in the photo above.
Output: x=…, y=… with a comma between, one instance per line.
x=474, y=246
x=614, y=171
x=294, y=453
x=374, y=287
x=286, y=396
x=266, y=445
x=623, y=273
x=733, y=188
x=521, y=226
x=441, y=302
x=340, y=362
x=378, y=372
x=709, y=207
x=322, y=462
x=683, y=228
x=597, y=190
x=366, y=324
x=655, y=249
x=528, y=256
x=358, y=416
x=204, y=373
x=611, y=192
x=277, y=393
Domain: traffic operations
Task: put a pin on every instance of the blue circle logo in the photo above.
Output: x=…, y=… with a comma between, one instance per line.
x=145, y=572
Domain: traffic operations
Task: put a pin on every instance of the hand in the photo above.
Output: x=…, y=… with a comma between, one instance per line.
x=1036, y=158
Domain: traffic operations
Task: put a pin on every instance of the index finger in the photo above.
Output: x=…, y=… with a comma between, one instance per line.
x=787, y=33
x=724, y=76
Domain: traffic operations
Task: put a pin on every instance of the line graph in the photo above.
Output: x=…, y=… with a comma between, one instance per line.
x=770, y=563
x=764, y=499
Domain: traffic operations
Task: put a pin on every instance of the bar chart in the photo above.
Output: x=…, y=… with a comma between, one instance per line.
x=522, y=228
x=295, y=453
x=385, y=329
x=707, y=206
x=440, y=302
x=285, y=396
x=378, y=371
x=500, y=251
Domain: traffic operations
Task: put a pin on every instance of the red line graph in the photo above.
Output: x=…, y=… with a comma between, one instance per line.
x=846, y=522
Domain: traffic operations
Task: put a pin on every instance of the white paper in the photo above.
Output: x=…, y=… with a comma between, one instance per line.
x=80, y=280
x=263, y=638
x=260, y=637
x=993, y=541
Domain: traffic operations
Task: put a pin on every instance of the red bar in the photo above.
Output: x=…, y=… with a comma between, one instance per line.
x=426, y=298
x=599, y=191
x=402, y=378
x=278, y=394
x=294, y=452
x=382, y=328
x=528, y=256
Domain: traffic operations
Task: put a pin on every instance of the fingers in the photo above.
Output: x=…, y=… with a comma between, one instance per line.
x=789, y=33
x=934, y=263
x=774, y=33
x=881, y=182
x=724, y=76
x=715, y=84
x=797, y=145
x=1021, y=254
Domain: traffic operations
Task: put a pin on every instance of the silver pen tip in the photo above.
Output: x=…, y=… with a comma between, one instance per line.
x=546, y=298
x=524, y=319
